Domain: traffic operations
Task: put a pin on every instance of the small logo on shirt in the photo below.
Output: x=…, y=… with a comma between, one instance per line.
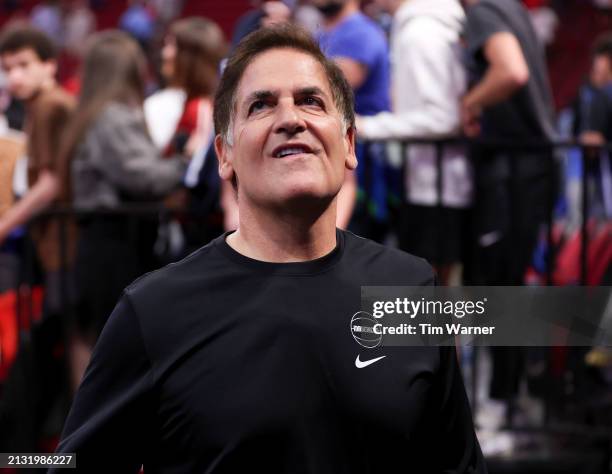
x=360, y=364
x=362, y=329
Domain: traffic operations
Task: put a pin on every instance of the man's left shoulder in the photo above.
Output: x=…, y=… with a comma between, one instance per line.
x=399, y=267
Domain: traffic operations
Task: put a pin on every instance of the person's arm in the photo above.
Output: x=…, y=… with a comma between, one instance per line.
x=38, y=197
x=112, y=415
x=129, y=158
x=507, y=72
x=354, y=71
x=346, y=200
x=430, y=107
x=49, y=122
x=354, y=55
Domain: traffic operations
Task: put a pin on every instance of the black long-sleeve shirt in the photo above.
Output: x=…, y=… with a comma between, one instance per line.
x=224, y=364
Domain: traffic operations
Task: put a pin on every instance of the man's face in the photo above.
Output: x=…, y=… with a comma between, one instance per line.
x=26, y=73
x=288, y=140
x=601, y=71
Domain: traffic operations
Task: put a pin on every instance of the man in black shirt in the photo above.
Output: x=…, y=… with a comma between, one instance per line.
x=240, y=358
x=593, y=106
x=510, y=102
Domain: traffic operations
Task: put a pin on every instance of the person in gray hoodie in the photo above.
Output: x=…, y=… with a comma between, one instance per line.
x=427, y=83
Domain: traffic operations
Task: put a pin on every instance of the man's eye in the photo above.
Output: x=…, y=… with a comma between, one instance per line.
x=312, y=101
x=256, y=106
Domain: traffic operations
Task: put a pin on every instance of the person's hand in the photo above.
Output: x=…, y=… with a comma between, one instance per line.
x=470, y=118
x=275, y=12
x=592, y=138
x=592, y=142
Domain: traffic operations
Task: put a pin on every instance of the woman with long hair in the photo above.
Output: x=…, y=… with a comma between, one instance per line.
x=179, y=118
x=109, y=161
x=180, y=114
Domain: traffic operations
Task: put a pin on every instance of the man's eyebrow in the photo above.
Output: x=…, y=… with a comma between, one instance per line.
x=267, y=94
x=311, y=91
x=258, y=95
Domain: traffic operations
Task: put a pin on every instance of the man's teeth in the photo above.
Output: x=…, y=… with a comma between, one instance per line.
x=290, y=151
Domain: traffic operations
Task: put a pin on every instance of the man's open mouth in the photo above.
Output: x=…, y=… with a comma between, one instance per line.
x=291, y=149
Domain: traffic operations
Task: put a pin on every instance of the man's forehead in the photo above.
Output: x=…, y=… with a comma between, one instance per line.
x=22, y=54
x=283, y=70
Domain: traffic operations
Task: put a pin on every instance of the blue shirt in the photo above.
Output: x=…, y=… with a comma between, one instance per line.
x=358, y=38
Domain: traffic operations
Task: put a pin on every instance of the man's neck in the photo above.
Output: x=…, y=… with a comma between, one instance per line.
x=284, y=237
x=348, y=9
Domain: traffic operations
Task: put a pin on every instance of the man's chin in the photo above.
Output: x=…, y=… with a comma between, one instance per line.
x=305, y=200
x=23, y=96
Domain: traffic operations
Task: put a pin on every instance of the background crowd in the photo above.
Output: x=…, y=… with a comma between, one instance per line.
x=467, y=157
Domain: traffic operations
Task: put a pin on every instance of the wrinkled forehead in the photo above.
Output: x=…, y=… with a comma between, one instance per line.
x=282, y=71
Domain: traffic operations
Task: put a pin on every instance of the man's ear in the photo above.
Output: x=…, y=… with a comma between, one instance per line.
x=351, y=157
x=224, y=155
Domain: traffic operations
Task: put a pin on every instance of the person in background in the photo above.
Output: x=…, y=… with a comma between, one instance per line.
x=179, y=119
x=510, y=100
x=428, y=82
x=109, y=161
x=264, y=13
x=79, y=24
x=139, y=21
x=307, y=16
x=47, y=17
x=593, y=106
x=592, y=125
x=28, y=60
x=167, y=10
x=37, y=385
x=359, y=47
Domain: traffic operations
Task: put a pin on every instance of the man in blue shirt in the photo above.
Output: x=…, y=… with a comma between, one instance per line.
x=359, y=47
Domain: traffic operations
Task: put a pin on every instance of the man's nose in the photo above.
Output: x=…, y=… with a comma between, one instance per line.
x=289, y=120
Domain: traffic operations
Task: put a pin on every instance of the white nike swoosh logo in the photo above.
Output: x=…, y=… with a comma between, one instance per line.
x=361, y=364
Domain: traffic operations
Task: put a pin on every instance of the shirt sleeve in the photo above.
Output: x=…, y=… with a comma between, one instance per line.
x=109, y=420
x=358, y=45
x=453, y=430
x=482, y=23
x=129, y=158
x=431, y=107
x=48, y=122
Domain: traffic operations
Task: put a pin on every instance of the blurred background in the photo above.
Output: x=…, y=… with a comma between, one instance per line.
x=484, y=137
